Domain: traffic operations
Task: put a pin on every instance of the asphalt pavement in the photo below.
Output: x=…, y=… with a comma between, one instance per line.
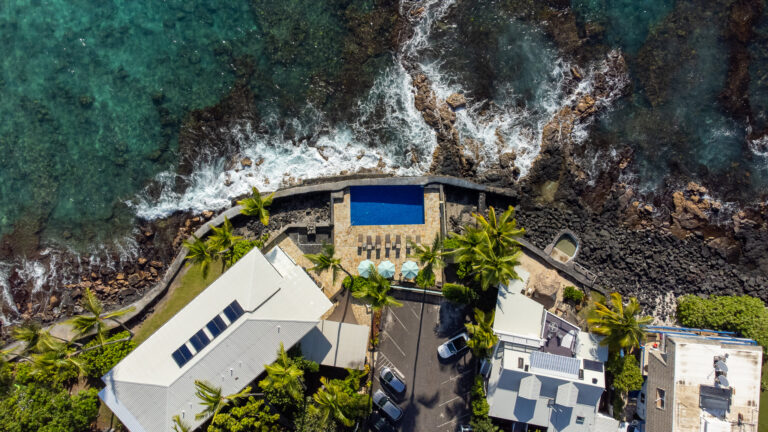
x=437, y=394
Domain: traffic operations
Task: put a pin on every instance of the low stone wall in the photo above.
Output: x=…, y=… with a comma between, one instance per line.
x=63, y=329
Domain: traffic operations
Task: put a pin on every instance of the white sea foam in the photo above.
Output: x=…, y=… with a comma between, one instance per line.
x=399, y=142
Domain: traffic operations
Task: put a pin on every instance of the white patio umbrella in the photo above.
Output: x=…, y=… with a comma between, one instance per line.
x=409, y=269
x=364, y=269
x=387, y=269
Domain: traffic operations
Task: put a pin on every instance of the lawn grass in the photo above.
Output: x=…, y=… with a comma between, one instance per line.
x=181, y=293
x=762, y=422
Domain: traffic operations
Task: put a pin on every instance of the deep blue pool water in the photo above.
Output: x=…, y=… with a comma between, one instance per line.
x=387, y=205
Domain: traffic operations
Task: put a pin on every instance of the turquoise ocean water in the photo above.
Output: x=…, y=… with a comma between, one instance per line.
x=94, y=96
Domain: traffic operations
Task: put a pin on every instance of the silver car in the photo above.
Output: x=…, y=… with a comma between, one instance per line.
x=453, y=347
x=390, y=381
x=388, y=408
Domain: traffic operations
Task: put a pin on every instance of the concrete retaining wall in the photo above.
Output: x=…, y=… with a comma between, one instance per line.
x=329, y=185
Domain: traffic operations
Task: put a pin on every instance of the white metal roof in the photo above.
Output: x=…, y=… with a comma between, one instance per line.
x=336, y=344
x=517, y=314
x=147, y=388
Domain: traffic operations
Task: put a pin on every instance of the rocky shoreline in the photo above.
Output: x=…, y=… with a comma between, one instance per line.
x=682, y=242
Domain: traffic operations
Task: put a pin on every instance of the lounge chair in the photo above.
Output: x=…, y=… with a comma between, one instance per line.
x=368, y=243
x=360, y=241
x=378, y=242
x=408, y=244
x=397, y=241
x=418, y=239
x=387, y=242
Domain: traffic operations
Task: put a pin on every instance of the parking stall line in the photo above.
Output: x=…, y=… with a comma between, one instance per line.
x=455, y=377
x=453, y=420
x=395, y=344
x=398, y=319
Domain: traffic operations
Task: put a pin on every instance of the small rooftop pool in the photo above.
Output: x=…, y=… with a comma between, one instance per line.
x=386, y=205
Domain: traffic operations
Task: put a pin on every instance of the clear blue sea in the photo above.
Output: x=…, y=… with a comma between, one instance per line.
x=96, y=95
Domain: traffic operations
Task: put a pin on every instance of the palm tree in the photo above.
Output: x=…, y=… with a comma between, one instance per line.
x=457, y=293
x=467, y=244
x=56, y=360
x=376, y=292
x=622, y=326
x=223, y=240
x=257, y=206
x=284, y=374
x=35, y=338
x=180, y=425
x=200, y=252
x=502, y=231
x=491, y=269
x=482, y=338
x=430, y=257
x=97, y=321
x=329, y=401
x=326, y=260
x=212, y=400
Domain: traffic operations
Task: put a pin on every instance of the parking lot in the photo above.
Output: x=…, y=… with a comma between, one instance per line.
x=437, y=394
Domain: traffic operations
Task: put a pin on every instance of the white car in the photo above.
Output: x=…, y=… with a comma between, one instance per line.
x=453, y=347
x=388, y=408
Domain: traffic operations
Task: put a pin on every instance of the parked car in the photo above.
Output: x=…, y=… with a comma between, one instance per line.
x=387, y=407
x=391, y=382
x=453, y=347
x=382, y=425
x=465, y=428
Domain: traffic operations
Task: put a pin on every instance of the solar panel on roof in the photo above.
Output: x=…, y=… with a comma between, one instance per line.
x=216, y=326
x=593, y=365
x=233, y=311
x=199, y=340
x=182, y=355
x=555, y=363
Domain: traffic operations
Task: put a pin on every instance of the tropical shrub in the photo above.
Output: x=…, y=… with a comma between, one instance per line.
x=464, y=271
x=459, y=293
x=241, y=248
x=626, y=373
x=573, y=294
x=37, y=408
x=480, y=407
x=358, y=284
x=253, y=416
x=98, y=361
x=745, y=315
x=425, y=279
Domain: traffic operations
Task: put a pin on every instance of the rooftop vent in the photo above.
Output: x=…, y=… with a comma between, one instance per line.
x=722, y=381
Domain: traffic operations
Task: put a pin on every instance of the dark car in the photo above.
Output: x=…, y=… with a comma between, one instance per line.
x=391, y=382
x=387, y=407
x=380, y=424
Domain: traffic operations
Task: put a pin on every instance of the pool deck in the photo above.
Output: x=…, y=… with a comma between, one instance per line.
x=345, y=235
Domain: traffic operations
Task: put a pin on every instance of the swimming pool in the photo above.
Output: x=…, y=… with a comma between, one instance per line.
x=386, y=205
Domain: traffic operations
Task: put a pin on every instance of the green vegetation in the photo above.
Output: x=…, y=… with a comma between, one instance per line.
x=326, y=260
x=459, y=294
x=284, y=405
x=354, y=283
x=621, y=325
x=253, y=416
x=97, y=320
x=489, y=252
x=626, y=373
x=220, y=246
x=480, y=422
x=97, y=360
x=573, y=294
x=255, y=205
x=431, y=259
x=481, y=335
x=38, y=389
x=376, y=292
x=192, y=284
x=745, y=315
x=213, y=401
x=241, y=248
